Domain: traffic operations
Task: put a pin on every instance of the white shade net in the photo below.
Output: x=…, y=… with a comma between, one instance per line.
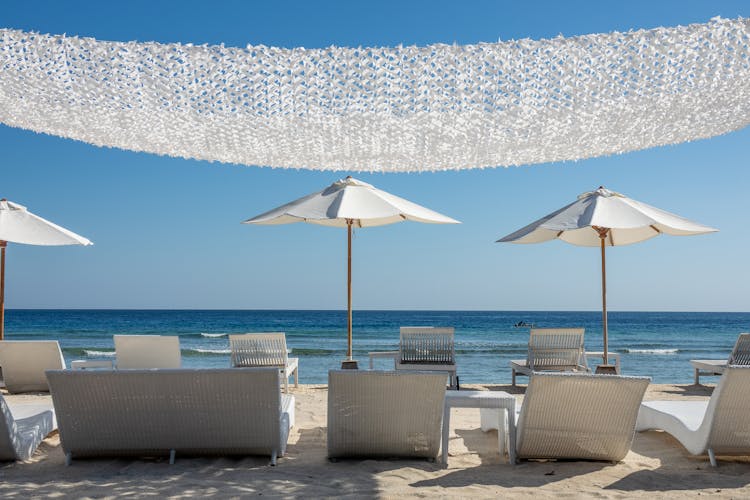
x=384, y=109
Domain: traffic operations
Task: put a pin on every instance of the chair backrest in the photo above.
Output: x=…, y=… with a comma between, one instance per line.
x=726, y=424
x=579, y=416
x=741, y=352
x=427, y=345
x=556, y=348
x=141, y=412
x=258, y=349
x=384, y=414
x=134, y=352
x=18, y=444
x=24, y=362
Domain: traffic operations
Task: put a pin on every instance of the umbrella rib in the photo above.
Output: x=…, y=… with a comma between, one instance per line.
x=655, y=228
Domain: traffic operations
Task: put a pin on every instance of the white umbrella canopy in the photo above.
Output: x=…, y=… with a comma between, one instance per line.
x=605, y=218
x=18, y=225
x=347, y=203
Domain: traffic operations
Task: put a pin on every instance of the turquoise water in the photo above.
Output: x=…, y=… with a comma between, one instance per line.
x=657, y=344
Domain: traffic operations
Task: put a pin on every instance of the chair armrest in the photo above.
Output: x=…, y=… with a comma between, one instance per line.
x=384, y=354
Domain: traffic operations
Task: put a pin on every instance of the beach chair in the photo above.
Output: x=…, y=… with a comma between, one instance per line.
x=384, y=414
x=719, y=426
x=740, y=355
x=424, y=348
x=579, y=416
x=24, y=362
x=552, y=349
x=264, y=349
x=23, y=426
x=148, y=413
x=133, y=352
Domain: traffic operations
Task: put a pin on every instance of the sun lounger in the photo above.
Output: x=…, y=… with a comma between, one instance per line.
x=384, y=414
x=133, y=352
x=579, y=416
x=264, y=349
x=23, y=426
x=552, y=349
x=719, y=426
x=740, y=355
x=24, y=362
x=424, y=348
x=169, y=411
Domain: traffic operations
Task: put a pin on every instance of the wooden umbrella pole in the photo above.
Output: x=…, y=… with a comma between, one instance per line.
x=602, y=236
x=3, y=244
x=349, y=223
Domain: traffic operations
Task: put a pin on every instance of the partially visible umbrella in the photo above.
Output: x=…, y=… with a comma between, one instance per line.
x=605, y=218
x=18, y=225
x=348, y=203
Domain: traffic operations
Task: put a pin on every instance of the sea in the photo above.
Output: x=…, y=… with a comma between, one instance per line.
x=655, y=344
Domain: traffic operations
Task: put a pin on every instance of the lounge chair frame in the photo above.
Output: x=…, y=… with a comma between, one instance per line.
x=740, y=355
x=552, y=349
x=25, y=361
x=264, y=349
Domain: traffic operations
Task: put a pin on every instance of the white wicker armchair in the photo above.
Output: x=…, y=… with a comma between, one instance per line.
x=264, y=349
x=740, y=355
x=133, y=352
x=552, y=349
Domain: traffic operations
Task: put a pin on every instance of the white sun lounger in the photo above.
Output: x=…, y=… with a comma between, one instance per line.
x=23, y=426
x=740, y=355
x=24, y=362
x=552, y=349
x=164, y=412
x=133, y=352
x=384, y=414
x=719, y=426
x=264, y=349
x=579, y=416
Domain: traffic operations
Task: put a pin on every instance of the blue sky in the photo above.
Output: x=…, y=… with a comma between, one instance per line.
x=167, y=231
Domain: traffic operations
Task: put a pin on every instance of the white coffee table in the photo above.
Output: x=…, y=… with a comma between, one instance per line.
x=493, y=406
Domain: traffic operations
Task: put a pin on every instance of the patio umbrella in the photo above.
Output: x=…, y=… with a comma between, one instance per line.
x=18, y=225
x=604, y=218
x=350, y=203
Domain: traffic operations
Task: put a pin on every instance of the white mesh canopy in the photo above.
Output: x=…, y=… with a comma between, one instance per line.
x=384, y=109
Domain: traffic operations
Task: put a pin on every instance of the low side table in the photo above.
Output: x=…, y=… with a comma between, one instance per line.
x=491, y=405
x=92, y=364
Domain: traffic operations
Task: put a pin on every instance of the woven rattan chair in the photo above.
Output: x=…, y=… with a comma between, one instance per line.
x=135, y=352
x=384, y=414
x=579, y=416
x=740, y=355
x=264, y=349
x=719, y=426
x=164, y=412
x=552, y=349
x=22, y=427
x=24, y=362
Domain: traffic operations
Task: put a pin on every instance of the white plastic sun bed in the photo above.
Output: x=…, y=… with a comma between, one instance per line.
x=24, y=362
x=133, y=352
x=23, y=426
x=168, y=411
x=579, y=416
x=740, y=355
x=264, y=349
x=719, y=426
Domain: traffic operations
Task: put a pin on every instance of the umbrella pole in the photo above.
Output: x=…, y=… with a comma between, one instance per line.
x=3, y=244
x=349, y=288
x=605, y=356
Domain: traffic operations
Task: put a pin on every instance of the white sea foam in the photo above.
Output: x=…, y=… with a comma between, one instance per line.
x=652, y=351
x=211, y=351
x=214, y=335
x=89, y=352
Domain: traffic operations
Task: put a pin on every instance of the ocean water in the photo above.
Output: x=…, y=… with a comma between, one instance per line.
x=657, y=344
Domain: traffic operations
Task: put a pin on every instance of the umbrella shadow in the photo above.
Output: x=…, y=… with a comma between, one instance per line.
x=690, y=390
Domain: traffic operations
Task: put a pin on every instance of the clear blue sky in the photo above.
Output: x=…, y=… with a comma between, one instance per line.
x=167, y=231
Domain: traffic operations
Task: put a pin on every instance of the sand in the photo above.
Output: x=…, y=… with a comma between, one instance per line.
x=657, y=466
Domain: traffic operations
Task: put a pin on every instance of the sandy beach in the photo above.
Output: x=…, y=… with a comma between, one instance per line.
x=657, y=466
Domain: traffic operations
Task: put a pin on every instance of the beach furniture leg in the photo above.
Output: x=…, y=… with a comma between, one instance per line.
x=68, y=458
x=286, y=381
x=712, y=457
x=172, y=453
x=273, y=458
x=296, y=377
x=513, y=377
x=697, y=377
x=446, y=432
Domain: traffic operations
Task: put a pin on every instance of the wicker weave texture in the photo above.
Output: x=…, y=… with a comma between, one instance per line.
x=741, y=352
x=427, y=345
x=727, y=421
x=150, y=412
x=133, y=352
x=258, y=349
x=556, y=348
x=24, y=363
x=579, y=416
x=384, y=414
